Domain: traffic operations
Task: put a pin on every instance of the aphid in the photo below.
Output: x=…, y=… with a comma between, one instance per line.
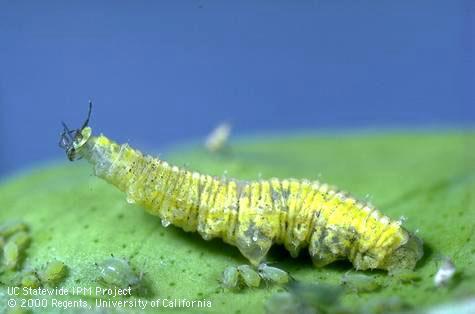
x=230, y=279
x=11, y=255
x=116, y=273
x=273, y=274
x=360, y=283
x=321, y=298
x=9, y=228
x=405, y=275
x=53, y=273
x=218, y=138
x=249, y=276
x=30, y=280
x=287, y=303
x=445, y=273
x=252, y=215
x=13, y=249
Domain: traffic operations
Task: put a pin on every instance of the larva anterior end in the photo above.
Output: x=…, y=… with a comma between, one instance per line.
x=252, y=215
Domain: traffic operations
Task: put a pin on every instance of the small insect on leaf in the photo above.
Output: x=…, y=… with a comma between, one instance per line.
x=273, y=274
x=11, y=255
x=230, y=279
x=445, y=273
x=54, y=273
x=9, y=228
x=218, y=138
x=405, y=275
x=117, y=273
x=30, y=280
x=360, y=283
x=321, y=298
x=287, y=303
x=250, y=277
x=14, y=248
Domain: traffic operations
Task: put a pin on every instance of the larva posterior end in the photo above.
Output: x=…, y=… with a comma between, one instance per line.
x=406, y=256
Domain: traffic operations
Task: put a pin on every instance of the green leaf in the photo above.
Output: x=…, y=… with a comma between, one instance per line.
x=80, y=220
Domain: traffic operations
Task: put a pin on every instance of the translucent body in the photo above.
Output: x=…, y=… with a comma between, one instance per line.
x=445, y=273
x=253, y=215
x=273, y=274
x=117, y=273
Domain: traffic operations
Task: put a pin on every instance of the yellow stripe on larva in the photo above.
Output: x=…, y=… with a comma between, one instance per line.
x=253, y=215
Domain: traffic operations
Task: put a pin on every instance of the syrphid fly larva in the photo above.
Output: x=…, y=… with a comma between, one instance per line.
x=252, y=215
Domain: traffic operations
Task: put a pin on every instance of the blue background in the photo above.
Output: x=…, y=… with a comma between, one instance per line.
x=161, y=72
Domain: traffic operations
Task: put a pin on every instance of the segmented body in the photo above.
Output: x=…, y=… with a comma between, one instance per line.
x=253, y=215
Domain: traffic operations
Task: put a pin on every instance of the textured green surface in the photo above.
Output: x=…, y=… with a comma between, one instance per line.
x=430, y=179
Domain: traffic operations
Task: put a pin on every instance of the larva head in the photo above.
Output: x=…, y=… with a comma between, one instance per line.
x=405, y=256
x=73, y=140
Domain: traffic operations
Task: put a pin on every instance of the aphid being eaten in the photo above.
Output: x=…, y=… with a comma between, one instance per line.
x=445, y=273
x=273, y=274
x=116, y=272
x=217, y=139
x=360, y=283
x=53, y=273
x=252, y=215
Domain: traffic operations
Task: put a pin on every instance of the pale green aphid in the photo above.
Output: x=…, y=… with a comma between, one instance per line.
x=53, y=273
x=360, y=282
x=250, y=277
x=273, y=274
x=11, y=255
x=230, y=278
x=30, y=280
x=14, y=247
x=9, y=228
x=117, y=273
x=405, y=275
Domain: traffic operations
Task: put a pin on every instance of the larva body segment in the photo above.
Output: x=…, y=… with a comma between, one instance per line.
x=253, y=215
